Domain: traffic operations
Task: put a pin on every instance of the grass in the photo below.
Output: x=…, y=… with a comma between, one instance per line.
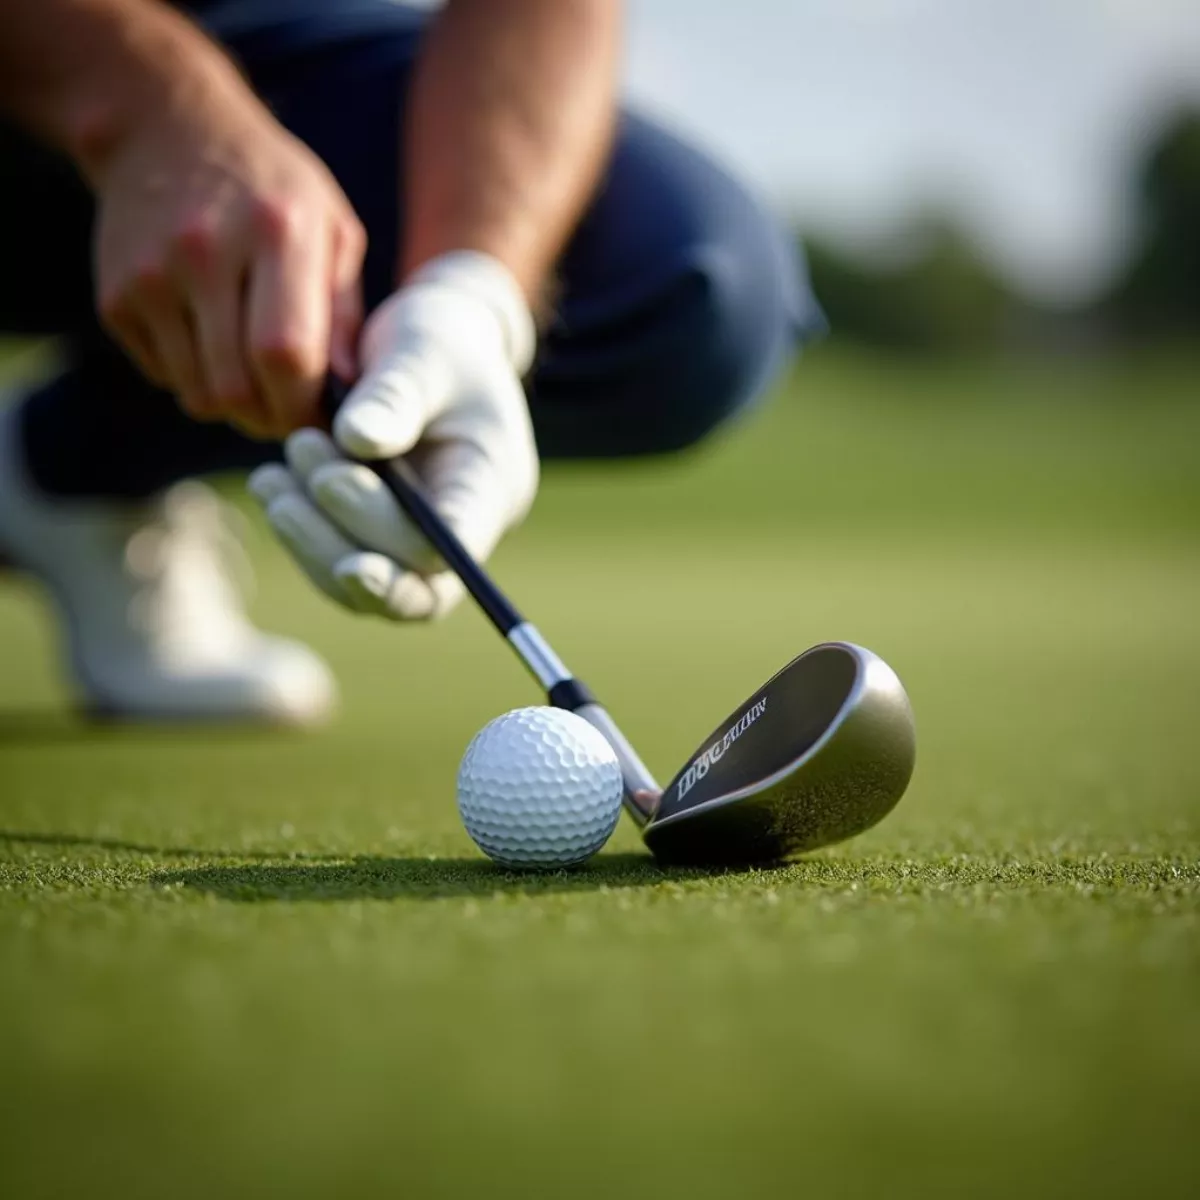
x=233, y=963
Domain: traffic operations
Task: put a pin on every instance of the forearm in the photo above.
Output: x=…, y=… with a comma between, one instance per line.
x=511, y=117
x=80, y=73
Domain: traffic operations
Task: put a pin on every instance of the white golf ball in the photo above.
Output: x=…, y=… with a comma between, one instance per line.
x=539, y=787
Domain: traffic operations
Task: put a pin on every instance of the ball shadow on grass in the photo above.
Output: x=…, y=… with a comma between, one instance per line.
x=269, y=875
x=371, y=878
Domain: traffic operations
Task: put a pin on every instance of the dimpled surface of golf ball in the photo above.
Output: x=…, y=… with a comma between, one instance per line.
x=539, y=788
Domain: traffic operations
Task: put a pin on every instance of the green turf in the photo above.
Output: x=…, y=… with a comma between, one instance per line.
x=241, y=964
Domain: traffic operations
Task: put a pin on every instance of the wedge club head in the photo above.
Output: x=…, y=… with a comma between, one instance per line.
x=820, y=753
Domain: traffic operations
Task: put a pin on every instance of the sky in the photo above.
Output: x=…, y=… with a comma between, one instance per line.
x=1022, y=117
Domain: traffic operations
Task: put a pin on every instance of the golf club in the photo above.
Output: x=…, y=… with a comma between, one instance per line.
x=820, y=753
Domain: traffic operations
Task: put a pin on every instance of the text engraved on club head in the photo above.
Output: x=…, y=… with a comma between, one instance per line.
x=701, y=764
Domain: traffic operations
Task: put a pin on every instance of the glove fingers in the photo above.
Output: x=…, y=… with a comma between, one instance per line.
x=268, y=481
x=447, y=590
x=381, y=586
x=313, y=541
x=358, y=501
x=360, y=511
x=363, y=581
x=307, y=450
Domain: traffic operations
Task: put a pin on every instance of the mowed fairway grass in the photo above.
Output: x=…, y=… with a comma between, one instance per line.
x=248, y=964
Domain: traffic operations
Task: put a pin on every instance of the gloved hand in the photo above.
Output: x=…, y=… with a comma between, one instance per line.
x=441, y=365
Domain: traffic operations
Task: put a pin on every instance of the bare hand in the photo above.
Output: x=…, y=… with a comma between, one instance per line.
x=228, y=262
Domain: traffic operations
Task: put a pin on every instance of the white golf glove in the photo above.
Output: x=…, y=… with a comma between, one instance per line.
x=442, y=362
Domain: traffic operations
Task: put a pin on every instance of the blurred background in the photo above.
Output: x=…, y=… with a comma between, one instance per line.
x=968, y=176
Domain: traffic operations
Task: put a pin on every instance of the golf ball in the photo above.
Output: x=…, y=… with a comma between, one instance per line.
x=539, y=787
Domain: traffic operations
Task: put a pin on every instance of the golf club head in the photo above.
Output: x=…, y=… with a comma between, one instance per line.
x=820, y=753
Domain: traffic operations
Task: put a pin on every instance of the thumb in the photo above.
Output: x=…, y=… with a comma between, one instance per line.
x=388, y=409
x=407, y=381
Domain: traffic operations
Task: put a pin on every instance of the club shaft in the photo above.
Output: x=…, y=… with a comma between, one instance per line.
x=403, y=483
x=562, y=688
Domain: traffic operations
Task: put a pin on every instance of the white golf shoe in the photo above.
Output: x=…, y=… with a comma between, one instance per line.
x=152, y=617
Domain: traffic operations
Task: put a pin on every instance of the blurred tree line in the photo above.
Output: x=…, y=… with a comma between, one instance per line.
x=943, y=297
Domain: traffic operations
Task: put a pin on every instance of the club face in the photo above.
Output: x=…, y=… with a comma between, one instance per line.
x=821, y=752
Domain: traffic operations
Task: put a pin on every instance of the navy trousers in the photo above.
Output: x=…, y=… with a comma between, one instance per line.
x=679, y=297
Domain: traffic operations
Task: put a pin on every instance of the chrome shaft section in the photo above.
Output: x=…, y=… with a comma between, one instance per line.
x=535, y=652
